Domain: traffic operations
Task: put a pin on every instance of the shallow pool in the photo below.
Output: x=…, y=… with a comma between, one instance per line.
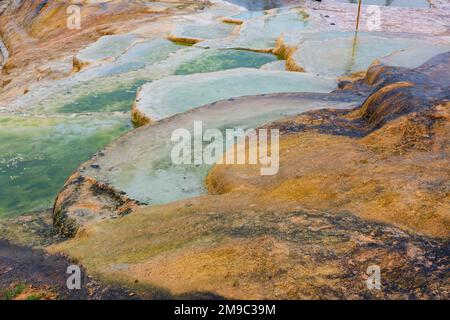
x=257, y=5
x=37, y=155
x=394, y=3
x=216, y=60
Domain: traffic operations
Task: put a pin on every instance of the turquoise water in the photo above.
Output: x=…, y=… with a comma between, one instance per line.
x=216, y=60
x=106, y=47
x=349, y=53
x=120, y=98
x=199, y=31
x=262, y=32
x=37, y=155
x=247, y=15
x=258, y=5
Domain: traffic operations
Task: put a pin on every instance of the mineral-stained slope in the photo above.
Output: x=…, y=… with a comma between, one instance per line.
x=230, y=246
x=138, y=165
x=387, y=160
x=356, y=188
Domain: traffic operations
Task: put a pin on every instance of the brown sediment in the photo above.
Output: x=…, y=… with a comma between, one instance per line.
x=4, y=53
x=14, y=36
x=183, y=40
x=346, y=81
x=264, y=50
x=138, y=118
x=232, y=21
x=94, y=201
x=287, y=52
x=348, y=173
x=230, y=246
x=31, y=292
x=78, y=65
x=308, y=232
x=33, y=229
x=355, y=188
x=374, y=72
x=381, y=100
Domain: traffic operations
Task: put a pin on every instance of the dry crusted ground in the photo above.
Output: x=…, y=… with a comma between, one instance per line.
x=33, y=274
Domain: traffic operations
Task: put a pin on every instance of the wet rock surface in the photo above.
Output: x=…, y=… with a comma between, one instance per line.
x=393, y=92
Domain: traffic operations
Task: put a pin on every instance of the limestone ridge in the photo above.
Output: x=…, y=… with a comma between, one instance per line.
x=107, y=203
x=396, y=91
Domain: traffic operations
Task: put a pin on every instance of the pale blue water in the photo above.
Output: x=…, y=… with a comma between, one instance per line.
x=258, y=5
x=394, y=3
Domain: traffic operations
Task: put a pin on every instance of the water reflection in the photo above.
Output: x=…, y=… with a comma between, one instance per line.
x=258, y=5
x=395, y=3
x=352, y=60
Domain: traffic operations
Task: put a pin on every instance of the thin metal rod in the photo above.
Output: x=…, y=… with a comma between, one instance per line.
x=359, y=14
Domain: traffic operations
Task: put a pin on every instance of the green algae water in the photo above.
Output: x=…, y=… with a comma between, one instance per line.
x=119, y=99
x=217, y=60
x=116, y=93
x=38, y=154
